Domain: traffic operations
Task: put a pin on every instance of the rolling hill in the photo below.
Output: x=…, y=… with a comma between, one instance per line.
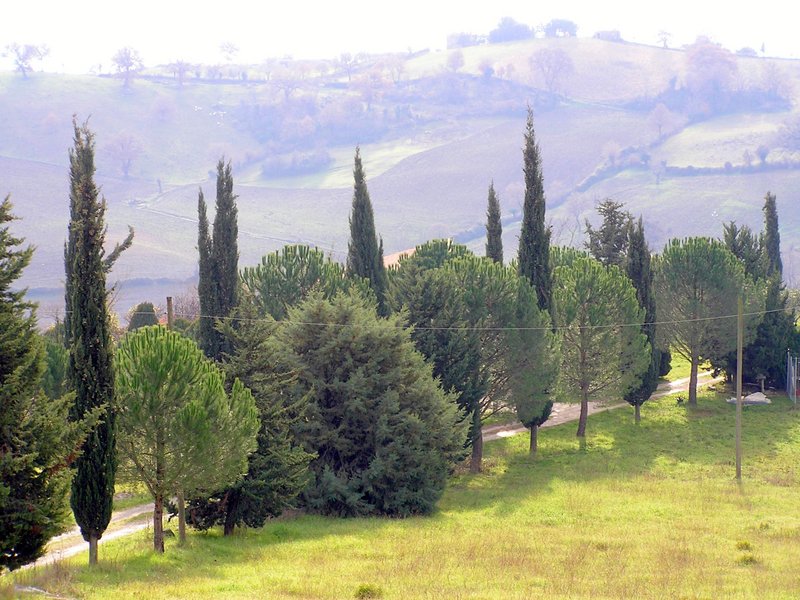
x=432, y=138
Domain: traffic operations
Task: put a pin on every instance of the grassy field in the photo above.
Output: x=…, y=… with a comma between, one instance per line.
x=648, y=512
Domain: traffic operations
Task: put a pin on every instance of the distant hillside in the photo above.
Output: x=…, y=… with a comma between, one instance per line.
x=678, y=135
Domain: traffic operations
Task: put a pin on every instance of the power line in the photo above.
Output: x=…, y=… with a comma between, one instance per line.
x=476, y=328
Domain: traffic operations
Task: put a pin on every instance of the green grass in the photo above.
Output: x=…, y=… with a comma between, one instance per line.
x=648, y=512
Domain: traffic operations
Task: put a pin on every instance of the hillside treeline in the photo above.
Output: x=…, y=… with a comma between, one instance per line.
x=348, y=389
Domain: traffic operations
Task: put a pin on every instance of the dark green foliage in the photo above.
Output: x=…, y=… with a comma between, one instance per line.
x=89, y=342
x=494, y=228
x=744, y=246
x=36, y=441
x=435, y=305
x=771, y=240
x=278, y=468
x=364, y=253
x=609, y=244
x=218, y=284
x=287, y=276
x=54, y=380
x=665, y=365
x=637, y=267
x=385, y=434
x=534, y=241
x=142, y=315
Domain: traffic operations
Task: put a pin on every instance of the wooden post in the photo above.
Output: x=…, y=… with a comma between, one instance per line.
x=739, y=343
x=169, y=312
x=180, y=500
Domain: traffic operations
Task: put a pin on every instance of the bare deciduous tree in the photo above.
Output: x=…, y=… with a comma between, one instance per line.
x=127, y=62
x=24, y=54
x=554, y=65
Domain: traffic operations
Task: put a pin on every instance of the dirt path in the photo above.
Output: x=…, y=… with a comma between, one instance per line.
x=122, y=523
x=565, y=412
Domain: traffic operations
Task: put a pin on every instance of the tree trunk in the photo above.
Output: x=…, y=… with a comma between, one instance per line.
x=158, y=524
x=584, y=413
x=477, y=442
x=477, y=454
x=231, y=501
x=637, y=413
x=693, y=380
x=93, y=548
x=534, y=440
x=181, y=519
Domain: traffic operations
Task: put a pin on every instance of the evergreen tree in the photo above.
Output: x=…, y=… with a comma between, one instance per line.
x=600, y=353
x=278, y=468
x=494, y=228
x=218, y=284
x=385, y=434
x=364, y=252
x=142, y=315
x=777, y=332
x=744, y=246
x=180, y=432
x=696, y=280
x=285, y=277
x=534, y=241
x=637, y=267
x=205, y=282
x=89, y=342
x=771, y=240
x=36, y=440
x=609, y=244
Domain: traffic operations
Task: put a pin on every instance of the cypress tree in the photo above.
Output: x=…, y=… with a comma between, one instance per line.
x=638, y=270
x=364, y=253
x=89, y=342
x=771, y=240
x=494, y=229
x=609, y=243
x=534, y=241
x=218, y=283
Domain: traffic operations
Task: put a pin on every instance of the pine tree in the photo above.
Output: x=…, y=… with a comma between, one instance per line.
x=36, y=441
x=534, y=242
x=609, y=244
x=364, y=253
x=494, y=228
x=218, y=283
x=637, y=267
x=89, y=342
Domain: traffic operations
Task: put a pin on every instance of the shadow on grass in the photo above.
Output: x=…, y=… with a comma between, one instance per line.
x=672, y=441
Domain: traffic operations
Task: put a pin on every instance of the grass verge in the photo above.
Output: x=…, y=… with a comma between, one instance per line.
x=651, y=511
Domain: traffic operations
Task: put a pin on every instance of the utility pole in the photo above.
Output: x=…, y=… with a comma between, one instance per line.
x=739, y=343
x=181, y=500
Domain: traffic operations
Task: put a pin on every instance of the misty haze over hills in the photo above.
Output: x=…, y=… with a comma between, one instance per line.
x=688, y=138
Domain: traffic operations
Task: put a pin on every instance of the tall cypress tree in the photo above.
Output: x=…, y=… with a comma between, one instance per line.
x=218, y=283
x=776, y=333
x=534, y=241
x=364, y=253
x=89, y=343
x=494, y=228
x=638, y=270
x=771, y=240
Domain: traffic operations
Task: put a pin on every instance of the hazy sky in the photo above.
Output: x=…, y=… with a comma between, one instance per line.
x=83, y=33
